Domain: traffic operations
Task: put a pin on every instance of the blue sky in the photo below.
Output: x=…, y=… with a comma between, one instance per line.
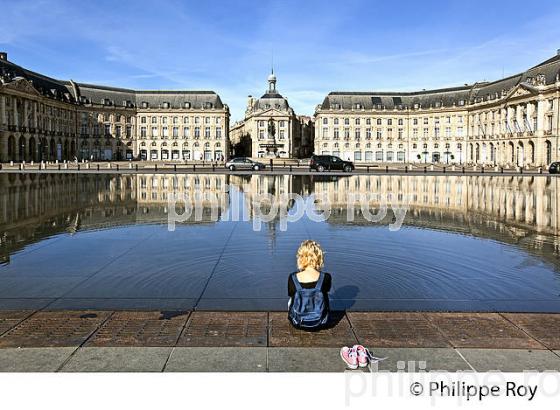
x=318, y=46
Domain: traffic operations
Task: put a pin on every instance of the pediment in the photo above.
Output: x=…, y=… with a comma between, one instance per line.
x=271, y=112
x=22, y=85
x=521, y=90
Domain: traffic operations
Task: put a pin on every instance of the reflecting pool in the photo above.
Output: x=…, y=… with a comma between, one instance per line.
x=467, y=243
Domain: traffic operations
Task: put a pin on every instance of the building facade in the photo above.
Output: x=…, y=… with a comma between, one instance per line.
x=44, y=119
x=510, y=122
x=271, y=128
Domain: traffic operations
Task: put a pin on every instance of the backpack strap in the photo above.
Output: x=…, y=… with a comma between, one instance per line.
x=319, y=284
x=296, y=281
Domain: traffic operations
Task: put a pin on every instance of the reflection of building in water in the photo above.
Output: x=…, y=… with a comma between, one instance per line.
x=507, y=208
x=524, y=200
x=208, y=191
x=35, y=206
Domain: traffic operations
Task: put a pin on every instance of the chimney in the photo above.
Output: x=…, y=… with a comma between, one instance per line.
x=4, y=56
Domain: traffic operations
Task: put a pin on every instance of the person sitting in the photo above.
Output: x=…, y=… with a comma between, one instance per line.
x=308, y=289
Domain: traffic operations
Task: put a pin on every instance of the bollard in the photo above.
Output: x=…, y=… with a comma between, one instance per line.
x=271, y=165
x=502, y=170
x=463, y=170
x=367, y=169
x=213, y=167
x=136, y=167
x=406, y=169
x=98, y=167
x=155, y=167
x=78, y=167
x=194, y=167
x=290, y=167
x=425, y=169
x=444, y=170
x=117, y=167
x=520, y=170
x=284, y=164
x=482, y=169
x=540, y=170
x=59, y=167
x=174, y=167
x=386, y=169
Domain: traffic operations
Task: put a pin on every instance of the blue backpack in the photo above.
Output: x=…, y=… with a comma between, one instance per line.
x=308, y=309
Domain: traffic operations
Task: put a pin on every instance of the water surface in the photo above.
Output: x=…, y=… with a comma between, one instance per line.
x=468, y=243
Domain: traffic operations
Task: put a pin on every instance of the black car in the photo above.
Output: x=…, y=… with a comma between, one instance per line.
x=321, y=163
x=554, y=168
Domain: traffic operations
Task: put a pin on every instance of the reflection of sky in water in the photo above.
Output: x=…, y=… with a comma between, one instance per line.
x=468, y=243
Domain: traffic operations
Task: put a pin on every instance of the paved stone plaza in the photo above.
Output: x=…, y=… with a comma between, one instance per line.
x=264, y=341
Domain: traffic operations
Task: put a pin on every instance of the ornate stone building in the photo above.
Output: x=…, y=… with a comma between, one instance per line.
x=271, y=128
x=42, y=118
x=511, y=122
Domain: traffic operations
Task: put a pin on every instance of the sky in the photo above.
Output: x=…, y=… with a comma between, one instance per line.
x=316, y=46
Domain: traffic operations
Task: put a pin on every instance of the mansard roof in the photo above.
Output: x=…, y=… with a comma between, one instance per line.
x=73, y=92
x=544, y=73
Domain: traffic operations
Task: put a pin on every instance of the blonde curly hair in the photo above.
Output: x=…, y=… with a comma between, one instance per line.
x=310, y=254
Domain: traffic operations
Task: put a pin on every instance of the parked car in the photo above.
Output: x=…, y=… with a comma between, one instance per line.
x=554, y=168
x=321, y=163
x=244, y=163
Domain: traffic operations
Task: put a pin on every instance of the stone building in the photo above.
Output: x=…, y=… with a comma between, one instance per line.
x=271, y=128
x=511, y=122
x=42, y=118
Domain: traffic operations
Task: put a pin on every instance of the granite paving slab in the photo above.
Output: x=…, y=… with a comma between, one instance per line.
x=543, y=327
x=225, y=329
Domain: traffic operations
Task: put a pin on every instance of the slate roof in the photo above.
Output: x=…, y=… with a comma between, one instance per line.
x=444, y=97
x=72, y=92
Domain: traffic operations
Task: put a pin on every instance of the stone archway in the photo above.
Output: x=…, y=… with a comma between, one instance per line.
x=32, y=149
x=21, y=149
x=11, y=148
x=531, y=152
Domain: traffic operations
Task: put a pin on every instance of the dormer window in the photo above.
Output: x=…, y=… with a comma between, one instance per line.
x=166, y=105
x=145, y=104
x=437, y=104
x=461, y=102
x=416, y=106
x=187, y=104
x=208, y=105
x=358, y=106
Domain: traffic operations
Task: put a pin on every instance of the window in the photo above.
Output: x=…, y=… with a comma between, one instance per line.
x=197, y=132
x=207, y=132
x=325, y=121
x=218, y=132
x=107, y=130
x=186, y=132
x=379, y=155
x=154, y=131
x=357, y=155
x=390, y=121
x=175, y=132
x=325, y=133
x=143, y=120
x=118, y=131
x=164, y=134
x=142, y=132
x=379, y=121
x=401, y=121
x=154, y=120
x=357, y=121
x=415, y=121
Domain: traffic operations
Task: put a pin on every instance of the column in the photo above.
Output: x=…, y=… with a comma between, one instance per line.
x=16, y=119
x=2, y=110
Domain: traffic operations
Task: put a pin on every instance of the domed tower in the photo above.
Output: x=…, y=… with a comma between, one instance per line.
x=272, y=83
